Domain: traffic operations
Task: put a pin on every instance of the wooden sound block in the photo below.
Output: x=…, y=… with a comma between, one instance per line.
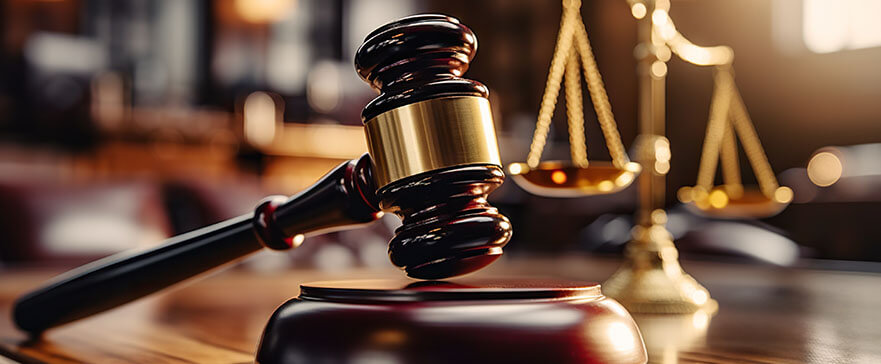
x=461, y=321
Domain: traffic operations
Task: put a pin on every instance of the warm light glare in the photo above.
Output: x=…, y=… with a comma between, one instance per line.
x=323, y=90
x=264, y=11
x=620, y=336
x=389, y=337
x=684, y=194
x=298, y=240
x=663, y=53
x=700, y=320
x=659, y=69
x=699, y=297
x=108, y=99
x=783, y=194
x=662, y=155
x=702, y=56
x=695, y=54
x=659, y=17
x=638, y=10
x=664, y=29
x=662, y=149
x=559, y=177
x=605, y=186
x=662, y=4
x=667, y=31
x=825, y=169
x=718, y=199
x=662, y=167
x=830, y=26
x=632, y=167
x=659, y=217
x=260, y=114
x=515, y=168
x=624, y=179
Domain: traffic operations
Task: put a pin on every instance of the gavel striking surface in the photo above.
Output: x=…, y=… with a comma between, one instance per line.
x=466, y=321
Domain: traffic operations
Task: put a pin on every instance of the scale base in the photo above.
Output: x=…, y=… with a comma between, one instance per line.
x=651, y=280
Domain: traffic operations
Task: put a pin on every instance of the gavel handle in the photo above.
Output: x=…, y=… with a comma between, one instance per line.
x=124, y=277
x=341, y=198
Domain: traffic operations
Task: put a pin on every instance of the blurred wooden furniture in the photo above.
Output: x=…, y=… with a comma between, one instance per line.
x=766, y=315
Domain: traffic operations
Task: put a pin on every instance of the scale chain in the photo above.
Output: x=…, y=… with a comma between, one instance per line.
x=728, y=117
x=730, y=163
x=600, y=98
x=552, y=88
x=565, y=60
x=719, y=106
x=751, y=144
x=575, y=111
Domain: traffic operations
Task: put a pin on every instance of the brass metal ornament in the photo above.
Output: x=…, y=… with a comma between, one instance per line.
x=431, y=134
x=729, y=118
x=578, y=177
x=651, y=280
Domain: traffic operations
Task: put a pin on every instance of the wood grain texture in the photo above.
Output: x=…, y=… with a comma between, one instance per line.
x=766, y=315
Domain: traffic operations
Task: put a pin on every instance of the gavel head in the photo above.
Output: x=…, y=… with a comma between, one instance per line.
x=433, y=146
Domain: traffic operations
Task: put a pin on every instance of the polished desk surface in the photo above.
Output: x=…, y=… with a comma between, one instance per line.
x=766, y=315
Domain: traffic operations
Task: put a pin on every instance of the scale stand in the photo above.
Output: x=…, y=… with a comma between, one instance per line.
x=651, y=280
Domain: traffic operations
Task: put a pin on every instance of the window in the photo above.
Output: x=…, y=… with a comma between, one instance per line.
x=835, y=25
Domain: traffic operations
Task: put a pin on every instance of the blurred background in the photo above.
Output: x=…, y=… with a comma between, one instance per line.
x=123, y=122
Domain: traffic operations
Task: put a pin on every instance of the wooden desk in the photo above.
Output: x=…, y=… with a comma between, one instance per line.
x=766, y=315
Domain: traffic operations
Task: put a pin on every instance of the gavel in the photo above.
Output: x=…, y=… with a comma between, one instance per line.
x=432, y=160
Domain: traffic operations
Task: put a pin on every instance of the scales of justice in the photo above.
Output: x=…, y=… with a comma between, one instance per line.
x=650, y=280
x=433, y=160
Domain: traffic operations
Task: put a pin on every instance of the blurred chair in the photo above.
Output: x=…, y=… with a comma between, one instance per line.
x=193, y=203
x=745, y=240
x=70, y=223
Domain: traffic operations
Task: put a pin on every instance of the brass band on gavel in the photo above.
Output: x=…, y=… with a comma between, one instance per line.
x=430, y=135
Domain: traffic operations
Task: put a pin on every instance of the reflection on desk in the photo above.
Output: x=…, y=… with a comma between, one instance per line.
x=766, y=315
